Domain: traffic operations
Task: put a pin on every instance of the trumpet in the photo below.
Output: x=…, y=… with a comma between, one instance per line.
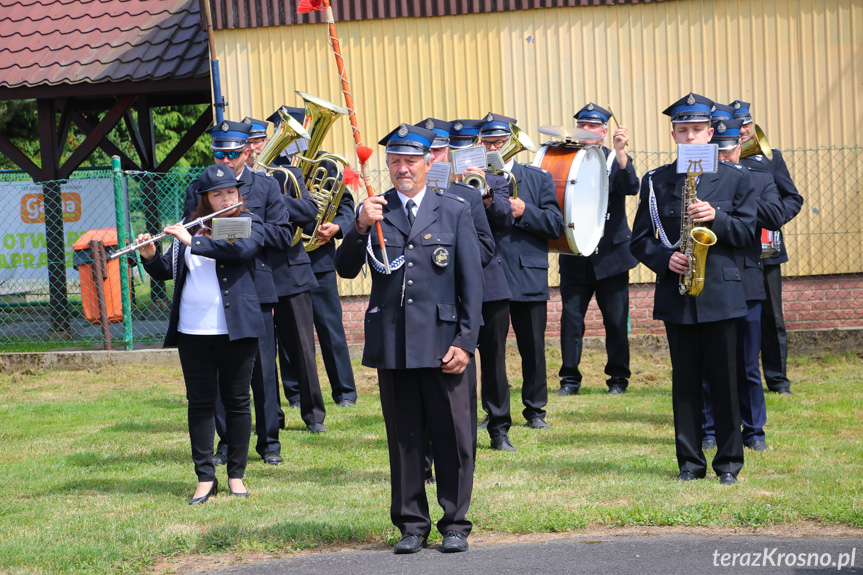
x=518, y=142
x=196, y=222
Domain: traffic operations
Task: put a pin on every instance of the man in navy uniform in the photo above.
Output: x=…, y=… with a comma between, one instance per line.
x=326, y=303
x=702, y=331
x=774, y=338
x=524, y=250
x=421, y=329
x=257, y=141
x=261, y=196
x=771, y=215
x=605, y=272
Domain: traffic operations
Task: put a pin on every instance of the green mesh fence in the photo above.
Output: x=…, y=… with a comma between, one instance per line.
x=42, y=307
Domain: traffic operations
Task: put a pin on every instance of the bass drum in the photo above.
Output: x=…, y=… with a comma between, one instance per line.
x=581, y=182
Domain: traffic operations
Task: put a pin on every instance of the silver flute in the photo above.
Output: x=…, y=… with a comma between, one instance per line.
x=132, y=247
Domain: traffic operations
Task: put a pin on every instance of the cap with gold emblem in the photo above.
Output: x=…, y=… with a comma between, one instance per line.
x=440, y=128
x=721, y=112
x=741, y=110
x=496, y=125
x=259, y=127
x=217, y=177
x=726, y=133
x=407, y=139
x=593, y=114
x=691, y=108
x=230, y=135
x=464, y=133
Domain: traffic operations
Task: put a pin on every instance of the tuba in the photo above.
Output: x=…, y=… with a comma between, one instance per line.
x=518, y=142
x=694, y=240
x=322, y=172
x=757, y=144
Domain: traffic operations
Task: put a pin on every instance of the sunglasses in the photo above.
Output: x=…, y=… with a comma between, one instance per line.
x=233, y=154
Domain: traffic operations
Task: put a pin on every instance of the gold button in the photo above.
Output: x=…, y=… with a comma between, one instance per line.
x=224, y=279
x=227, y=305
x=221, y=266
x=225, y=292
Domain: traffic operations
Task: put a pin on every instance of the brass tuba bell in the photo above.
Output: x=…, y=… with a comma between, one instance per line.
x=757, y=144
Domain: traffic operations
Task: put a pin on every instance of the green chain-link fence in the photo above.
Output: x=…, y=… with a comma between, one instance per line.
x=42, y=306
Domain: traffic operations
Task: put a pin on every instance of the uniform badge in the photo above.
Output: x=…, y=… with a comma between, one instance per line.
x=427, y=237
x=231, y=238
x=691, y=99
x=220, y=173
x=712, y=108
x=247, y=121
x=736, y=105
x=403, y=131
x=457, y=126
x=225, y=127
x=721, y=127
x=429, y=124
x=489, y=118
x=440, y=257
x=590, y=106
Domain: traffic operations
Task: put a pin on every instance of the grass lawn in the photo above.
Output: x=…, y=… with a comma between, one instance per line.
x=97, y=470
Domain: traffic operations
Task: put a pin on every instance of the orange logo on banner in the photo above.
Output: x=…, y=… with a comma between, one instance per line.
x=33, y=208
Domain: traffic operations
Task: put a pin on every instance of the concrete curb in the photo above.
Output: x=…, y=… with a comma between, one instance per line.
x=803, y=342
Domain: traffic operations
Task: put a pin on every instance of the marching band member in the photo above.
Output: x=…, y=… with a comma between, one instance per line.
x=702, y=335
x=216, y=324
x=605, y=272
x=421, y=329
x=257, y=141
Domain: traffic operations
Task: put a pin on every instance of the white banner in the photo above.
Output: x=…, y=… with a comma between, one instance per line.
x=88, y=204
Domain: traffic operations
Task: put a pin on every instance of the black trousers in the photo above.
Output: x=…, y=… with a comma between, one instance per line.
x=265, y=393
x=211, y=363
x=327, y=310
x=294, y=327
x=412, y=399
x=612, y=297
x=529, y=319
x=492, y=354
x=774, y=338
x=697, y=350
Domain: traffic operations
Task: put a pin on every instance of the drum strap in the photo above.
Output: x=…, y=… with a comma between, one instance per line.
x=377, y=264
x=609, y=161
x=657, y=223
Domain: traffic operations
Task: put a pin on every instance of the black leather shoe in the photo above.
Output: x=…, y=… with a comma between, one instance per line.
x=238, y=494
x=410, y=543
x=453, y=542
x=687, y=476
x=502, y=443
x=615, y=389
x=347, y=403
x=219, y=459
x=783, y=391
x=566, y=390
x=708, y=444
x=273, y=458
x=483, y=424
x=757, y=445
x=213, y=491
x=295, y=405
x=316, y=428
x=538, y=423
x=727, y=478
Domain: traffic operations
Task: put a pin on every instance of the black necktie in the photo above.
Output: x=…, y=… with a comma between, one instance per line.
x=410, y=205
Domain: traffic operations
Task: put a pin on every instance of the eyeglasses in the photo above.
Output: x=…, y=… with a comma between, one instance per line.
x=233, y=154
x=498, y=144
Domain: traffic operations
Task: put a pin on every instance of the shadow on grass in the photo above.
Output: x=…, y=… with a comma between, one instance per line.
x=167, y=426
x=107, y=460
x=288, y=536
x=122, y=486
x=594, y=416
x=568, y=467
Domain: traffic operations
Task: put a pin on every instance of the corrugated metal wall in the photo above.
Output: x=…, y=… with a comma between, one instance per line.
x=800, y=62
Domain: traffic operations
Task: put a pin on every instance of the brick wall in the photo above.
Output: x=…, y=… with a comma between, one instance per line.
x=815, y=302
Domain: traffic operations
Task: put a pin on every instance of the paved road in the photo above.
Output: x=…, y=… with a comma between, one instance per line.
x=617, y=555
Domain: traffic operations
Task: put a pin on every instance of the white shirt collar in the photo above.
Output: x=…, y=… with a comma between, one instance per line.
x=508, y=166
x=417, y=198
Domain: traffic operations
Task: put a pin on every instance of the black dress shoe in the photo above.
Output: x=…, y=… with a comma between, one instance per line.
x=784, y=391
x=484, y=423
x=219, y=458
x=567, y=390
x=502, y=443
x=214, y=489
x=538, y=423
x=410, y=543
x=238, y=494
x=708, y=444
x=727, y=478
x=272, y=458
x=295, y=404
x=757, y=445
x=316, y=428
x=687, y=476
x=616, y=389
x=347, y=403
x=453, y=542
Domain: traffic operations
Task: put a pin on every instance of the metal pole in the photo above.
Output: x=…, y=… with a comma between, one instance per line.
x=120, y=213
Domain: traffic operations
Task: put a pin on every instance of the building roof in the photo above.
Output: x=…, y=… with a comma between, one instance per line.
x=238, y=14
x=45, y=43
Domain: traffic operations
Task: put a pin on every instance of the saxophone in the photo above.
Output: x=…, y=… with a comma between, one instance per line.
x=694, y=240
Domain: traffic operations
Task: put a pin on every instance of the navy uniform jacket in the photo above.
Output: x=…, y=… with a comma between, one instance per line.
x=612, y=255
x=262, y=197
x=524, y=246
x=440, y=306
x=791, y=198
x=771, y=215
x=323, y=258
x=731, y=193
x=498, y=214
x=235, y=271
x=480, y=222
x=292, y=272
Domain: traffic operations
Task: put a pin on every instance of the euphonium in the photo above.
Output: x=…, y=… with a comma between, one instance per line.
x=694, y=240
x=757, y=144
x=323, y=173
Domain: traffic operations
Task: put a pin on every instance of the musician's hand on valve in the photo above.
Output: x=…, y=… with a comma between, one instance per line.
x=179, y=232
x=371, y=212
x=147, y=252
x=455, y=361
x=701, y=212
x=326, y=232
x=678, y=263
x=517, y=207
x=474, y=170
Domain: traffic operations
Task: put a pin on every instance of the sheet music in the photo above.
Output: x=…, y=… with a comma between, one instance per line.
x=464, y=158
x=495, y=160
x=704, y=156
x=439, y=175
x=231, y=228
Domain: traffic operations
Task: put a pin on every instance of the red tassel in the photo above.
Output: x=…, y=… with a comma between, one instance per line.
x=351, y=178
x=310, y=6
x=364, y=153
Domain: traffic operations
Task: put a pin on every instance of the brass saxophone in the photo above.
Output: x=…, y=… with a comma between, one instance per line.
x=694, y=240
